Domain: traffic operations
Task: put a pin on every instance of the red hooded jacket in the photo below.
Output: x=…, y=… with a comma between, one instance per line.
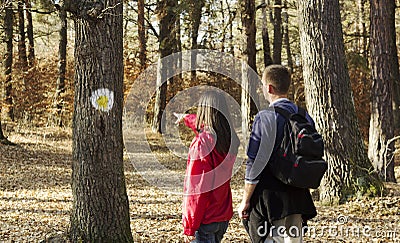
x=207, y=193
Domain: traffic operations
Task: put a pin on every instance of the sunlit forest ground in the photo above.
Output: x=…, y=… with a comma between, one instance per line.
x=35, y=198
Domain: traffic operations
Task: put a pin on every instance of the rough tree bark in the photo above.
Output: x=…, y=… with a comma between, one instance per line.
x=8, y=59
x=329, y=101
x=195, y=16
x=362, y=29
x=384, y=73
x=62, y=65
x=29, y=34
x=265, y=36
x=232, y=15
x=286, y=42
x=142, y=35
x=100, y=210
x=249, y=94
x=7, y=62
x=22, y=58
x=277, y=44
x=167, y=43
x=286, y=38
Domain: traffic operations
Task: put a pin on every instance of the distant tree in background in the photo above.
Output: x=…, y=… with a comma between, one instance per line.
x=277, y=42
x=195, y=11
x=167, y=43
x=248, y=93
x=385, y=73
x=8, y=58
x=22, y=58
x=141, y=35
x=265, y=35
x=29, y=33
x=330, y=103
x=62, y=66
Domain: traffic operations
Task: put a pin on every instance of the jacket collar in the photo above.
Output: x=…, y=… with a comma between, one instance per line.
x=278, y=101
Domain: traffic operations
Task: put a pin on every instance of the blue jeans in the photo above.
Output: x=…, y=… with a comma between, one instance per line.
x=211, y=233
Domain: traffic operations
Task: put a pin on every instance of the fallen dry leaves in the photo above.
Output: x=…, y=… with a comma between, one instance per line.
x=35, y=199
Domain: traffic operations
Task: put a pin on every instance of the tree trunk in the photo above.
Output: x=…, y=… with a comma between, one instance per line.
x=100, y=211
x=277, y=45
x=179, y=46
x=62, y=65
x=22, y=59
x=396, y=103
x=2, y=137
x=167, y=17
x=286, y=39
x=142, y=35
x=286, y=42
x=195, y=16
x=362, y=29
x=384, y=73
x=249, y=94
x=232, y=15
x=29, y=33
x=265, y=37
x=329, y=101
x=8, y=60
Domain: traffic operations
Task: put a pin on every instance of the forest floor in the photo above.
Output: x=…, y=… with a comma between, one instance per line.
x=35, y=198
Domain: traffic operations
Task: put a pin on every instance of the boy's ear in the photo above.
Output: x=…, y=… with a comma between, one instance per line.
x=270, y=89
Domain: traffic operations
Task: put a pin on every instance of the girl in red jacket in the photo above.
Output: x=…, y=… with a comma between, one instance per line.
x=207, y=202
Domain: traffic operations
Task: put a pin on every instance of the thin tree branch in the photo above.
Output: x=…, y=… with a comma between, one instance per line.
x=4, y=5
x=151, y=27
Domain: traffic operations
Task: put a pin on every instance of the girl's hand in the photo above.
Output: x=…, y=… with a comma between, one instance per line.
x=179, y=117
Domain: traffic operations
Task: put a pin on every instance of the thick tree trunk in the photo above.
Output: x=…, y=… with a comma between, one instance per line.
x=142, y=35
x=100, y=211
x=167, y=40
x=329, y=101
x=62, y=65
x=29, y=34
x=8, y=60
x=22, y=58
x=384, y=73
x=277, y=45
x=249, y=94
x=265, y=36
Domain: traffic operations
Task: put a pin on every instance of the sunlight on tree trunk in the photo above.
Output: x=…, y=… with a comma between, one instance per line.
x=330, y=103
x=384, y=74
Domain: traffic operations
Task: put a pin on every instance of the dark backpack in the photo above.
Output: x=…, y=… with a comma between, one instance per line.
x=298, y=161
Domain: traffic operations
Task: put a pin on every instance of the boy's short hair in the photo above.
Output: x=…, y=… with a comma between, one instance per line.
x=279, y=77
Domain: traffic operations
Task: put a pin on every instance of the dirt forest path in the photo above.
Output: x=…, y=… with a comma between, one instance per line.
x=35, y=197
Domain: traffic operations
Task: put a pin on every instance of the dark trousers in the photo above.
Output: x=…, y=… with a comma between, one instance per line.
x=211, y=233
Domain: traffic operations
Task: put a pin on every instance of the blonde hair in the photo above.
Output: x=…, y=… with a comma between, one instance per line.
x=212, y=112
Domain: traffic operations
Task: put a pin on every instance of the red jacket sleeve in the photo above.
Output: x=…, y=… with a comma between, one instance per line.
x=197, y=185
x=190, y=121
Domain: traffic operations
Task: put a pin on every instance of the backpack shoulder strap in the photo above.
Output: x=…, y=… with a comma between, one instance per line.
x=301, y=111
x=283, y=112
